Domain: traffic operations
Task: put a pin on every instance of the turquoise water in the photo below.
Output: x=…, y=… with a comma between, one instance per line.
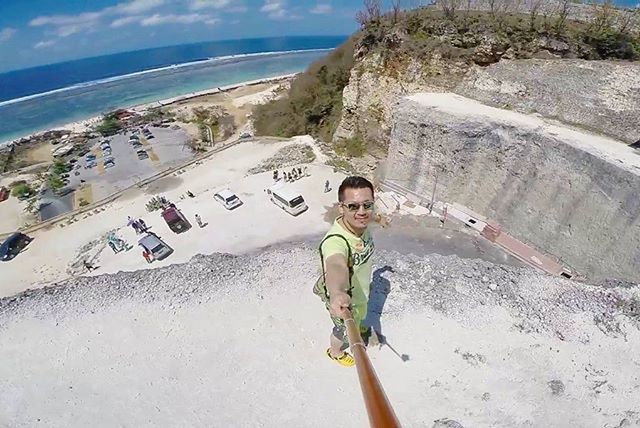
x=33, y=113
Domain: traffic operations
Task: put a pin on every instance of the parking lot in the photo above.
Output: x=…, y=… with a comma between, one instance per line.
x=120, y=166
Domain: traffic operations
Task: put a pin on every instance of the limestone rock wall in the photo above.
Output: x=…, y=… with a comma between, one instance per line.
x=603, y=96
x=572, y=194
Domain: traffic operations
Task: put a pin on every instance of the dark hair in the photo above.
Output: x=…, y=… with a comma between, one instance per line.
x=353, y=183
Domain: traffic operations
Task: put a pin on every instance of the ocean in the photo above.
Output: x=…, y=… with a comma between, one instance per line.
x=41, y=98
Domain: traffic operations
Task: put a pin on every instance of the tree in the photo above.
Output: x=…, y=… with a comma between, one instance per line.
x=534, y=11
x=21, y=190
x=395, y=11
x=110, y=126
x=603, y=15
x=55, y=182
x=450, y=7
x=564, y=8
x=628, y=20
x=371, y=13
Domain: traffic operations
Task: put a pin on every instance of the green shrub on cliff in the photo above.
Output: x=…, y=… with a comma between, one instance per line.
x=313, y=104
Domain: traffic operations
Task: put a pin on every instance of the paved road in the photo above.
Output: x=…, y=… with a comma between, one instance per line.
x=423, y=236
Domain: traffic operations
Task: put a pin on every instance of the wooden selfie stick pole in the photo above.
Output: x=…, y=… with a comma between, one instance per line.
x=381, y=414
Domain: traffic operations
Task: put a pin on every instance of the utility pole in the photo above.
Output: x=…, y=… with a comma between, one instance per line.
x=433, y=193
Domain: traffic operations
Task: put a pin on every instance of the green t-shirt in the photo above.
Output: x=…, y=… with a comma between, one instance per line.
x=361, y=252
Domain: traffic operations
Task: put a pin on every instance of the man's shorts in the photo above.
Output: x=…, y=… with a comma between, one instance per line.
x=339, y=328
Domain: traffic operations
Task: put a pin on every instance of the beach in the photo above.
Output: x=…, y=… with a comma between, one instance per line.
x=86, y=125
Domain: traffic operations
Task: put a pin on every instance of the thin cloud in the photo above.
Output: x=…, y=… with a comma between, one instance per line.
x=209, y=4
x=135, y=7
x=66, y=25
x=322, y=9
x=276, y=9
x=193, y=18
x=228, y=6
x=44, y=44
x=7, y=33
x=120, y=22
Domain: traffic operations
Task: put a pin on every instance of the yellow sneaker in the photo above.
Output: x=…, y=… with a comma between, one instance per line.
x=344, y=360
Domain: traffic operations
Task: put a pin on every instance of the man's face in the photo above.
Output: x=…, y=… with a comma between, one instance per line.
x=354, y=207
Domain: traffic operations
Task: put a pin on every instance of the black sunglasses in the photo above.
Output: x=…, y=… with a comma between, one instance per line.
x=355, y=206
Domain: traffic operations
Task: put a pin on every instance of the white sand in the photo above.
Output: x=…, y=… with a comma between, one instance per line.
x=257, y=223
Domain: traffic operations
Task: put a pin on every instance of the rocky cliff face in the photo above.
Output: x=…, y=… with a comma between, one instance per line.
x=570, y=193
x=602, y=96
x=376, y=85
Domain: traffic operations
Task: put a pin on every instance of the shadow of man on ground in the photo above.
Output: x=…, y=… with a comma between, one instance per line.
x=380, y=289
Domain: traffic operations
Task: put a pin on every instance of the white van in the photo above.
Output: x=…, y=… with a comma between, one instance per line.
x=291, y=202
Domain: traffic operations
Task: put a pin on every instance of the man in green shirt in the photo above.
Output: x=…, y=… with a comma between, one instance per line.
x=345, y=254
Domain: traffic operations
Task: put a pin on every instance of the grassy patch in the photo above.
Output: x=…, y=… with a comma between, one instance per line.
x=21, y=190
x=353, y=147
x=340, y=164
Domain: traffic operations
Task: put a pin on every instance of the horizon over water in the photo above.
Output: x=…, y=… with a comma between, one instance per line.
x=36, y=99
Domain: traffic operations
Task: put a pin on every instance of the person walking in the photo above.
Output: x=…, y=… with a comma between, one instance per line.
x=134, y=224
x=327, y=189
x=199, y=221
x=143, y=225
x=88, y=265
x=346, y=262
x=147, y=255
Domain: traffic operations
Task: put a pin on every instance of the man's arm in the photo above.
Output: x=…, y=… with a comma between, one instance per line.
x=337, y=283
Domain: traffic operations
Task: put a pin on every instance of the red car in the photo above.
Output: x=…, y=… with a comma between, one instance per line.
x=176, y=221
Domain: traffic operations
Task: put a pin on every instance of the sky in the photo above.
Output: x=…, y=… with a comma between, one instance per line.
x=37, y=32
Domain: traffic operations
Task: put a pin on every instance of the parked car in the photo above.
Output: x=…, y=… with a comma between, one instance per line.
x=109, y=163
x=91, y=164
x=90, y=157
x=228, y=199
x=156, y=246
x=106, y=152
x=150, y=136
x=142, y=155
x=176, y=221
x=291, y=202
x=12, y=246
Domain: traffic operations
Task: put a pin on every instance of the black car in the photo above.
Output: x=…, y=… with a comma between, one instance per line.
x=12, y=246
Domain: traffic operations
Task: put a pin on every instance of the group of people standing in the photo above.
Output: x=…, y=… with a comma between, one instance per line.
x=291, y=176
x=138, y=225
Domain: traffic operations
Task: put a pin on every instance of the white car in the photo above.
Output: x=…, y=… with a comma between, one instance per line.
x=228, y=199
